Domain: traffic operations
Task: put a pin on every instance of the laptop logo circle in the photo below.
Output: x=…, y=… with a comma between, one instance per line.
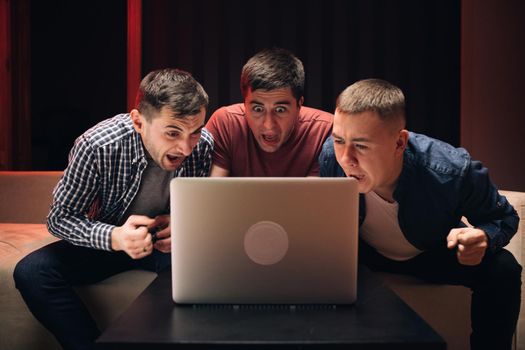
x=266, y=243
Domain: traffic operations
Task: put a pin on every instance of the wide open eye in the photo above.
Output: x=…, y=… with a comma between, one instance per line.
x=280, y=109
x=258, y=109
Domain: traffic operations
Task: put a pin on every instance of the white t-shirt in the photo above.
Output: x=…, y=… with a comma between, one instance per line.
x=381, y=229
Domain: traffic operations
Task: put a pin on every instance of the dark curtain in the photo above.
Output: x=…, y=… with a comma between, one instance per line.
x=411, y=43
x=78, y=56
x=78, y=73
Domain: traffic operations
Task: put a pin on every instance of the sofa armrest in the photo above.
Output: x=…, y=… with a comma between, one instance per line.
x=517, y=199
x=26, y=195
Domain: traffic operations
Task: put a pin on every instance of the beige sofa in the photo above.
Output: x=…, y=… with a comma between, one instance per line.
x=25, y=200
x=447, y=308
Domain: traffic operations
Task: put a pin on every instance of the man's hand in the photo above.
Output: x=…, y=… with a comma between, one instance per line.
x=133, y=237
x=163, y=243
x=471, y=244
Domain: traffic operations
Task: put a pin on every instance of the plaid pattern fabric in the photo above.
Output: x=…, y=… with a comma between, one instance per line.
x=102, y=178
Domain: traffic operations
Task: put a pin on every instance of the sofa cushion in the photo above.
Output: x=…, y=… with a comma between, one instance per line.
x=433, y=301
x=105, y=300
x=26, y=195
x=16, y=241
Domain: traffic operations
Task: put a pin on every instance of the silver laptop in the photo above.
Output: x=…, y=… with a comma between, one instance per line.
x=264, y=240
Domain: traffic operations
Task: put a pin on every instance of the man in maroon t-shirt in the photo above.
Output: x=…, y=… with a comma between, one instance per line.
x=271, y=133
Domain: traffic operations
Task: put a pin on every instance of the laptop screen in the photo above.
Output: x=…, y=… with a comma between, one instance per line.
x=264, y=240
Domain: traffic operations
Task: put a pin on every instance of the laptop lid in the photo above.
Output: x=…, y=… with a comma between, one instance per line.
x=264, y=240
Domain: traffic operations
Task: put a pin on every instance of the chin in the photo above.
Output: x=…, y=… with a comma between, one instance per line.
x=364, y=191
x=170, y=166
x=364, y=188
x=268, y=149
x=271, y=150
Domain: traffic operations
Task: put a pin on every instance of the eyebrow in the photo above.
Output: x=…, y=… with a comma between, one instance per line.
x=285, y=102
x=196, y=131
x=174, y=127
x=355, y=139
x=361, y=139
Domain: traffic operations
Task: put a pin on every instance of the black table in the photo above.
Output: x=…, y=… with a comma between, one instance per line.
x=378, y=320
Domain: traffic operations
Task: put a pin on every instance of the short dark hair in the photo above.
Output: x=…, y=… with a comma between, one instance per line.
x=173, y=88
x=272, y=69
x=377, y=95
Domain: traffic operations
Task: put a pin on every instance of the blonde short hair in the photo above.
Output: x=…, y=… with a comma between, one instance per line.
x=377, y=95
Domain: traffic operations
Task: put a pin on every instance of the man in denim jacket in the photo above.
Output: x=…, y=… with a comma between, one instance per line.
x=414, y=192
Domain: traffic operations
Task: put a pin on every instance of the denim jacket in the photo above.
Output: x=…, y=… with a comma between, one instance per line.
x=438, y=185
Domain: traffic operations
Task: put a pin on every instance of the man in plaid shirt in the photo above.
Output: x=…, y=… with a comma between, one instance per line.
x=111, y=207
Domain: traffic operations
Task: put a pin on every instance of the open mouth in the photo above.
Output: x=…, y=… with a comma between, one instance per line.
x=173, y=158
x=271, y=139
x=357, y=177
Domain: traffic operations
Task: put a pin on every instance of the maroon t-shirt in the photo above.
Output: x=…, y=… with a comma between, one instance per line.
x=237, y=151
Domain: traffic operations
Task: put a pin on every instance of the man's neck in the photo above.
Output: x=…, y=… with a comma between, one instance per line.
x=387, y=190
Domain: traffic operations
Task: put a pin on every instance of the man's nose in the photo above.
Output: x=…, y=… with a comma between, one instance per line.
x=268, y=121
x=185, y=146
x=349, y=157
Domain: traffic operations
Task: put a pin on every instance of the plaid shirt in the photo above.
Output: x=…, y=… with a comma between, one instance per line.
x=102, y=178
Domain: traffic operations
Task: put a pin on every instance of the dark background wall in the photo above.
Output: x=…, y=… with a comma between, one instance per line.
x=414, y=44
x=79, y=63
x=493, y=88
x=78, y=73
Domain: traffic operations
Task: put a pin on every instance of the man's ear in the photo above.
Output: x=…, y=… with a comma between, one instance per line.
x=301, y=101
x=402, y=141
x=137, y=120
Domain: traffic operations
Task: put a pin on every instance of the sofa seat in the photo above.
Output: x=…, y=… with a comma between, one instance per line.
x=106, y=300
x=26, y=197
x=16, y=239
x=447, y=308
